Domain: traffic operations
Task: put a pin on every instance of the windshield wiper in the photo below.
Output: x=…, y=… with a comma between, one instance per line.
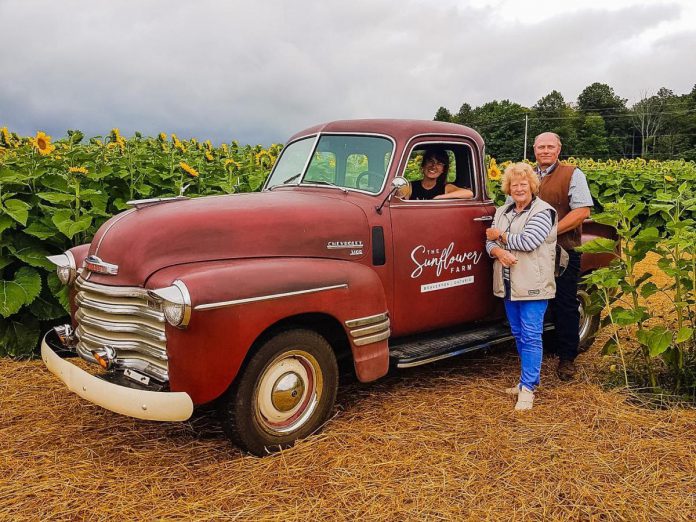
x=292, y=178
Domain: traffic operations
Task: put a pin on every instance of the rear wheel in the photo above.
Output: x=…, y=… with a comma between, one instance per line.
x=285, y=392
x=589, y=323
x=587, y=326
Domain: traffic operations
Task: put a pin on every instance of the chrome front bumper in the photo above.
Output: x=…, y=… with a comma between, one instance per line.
x=141, y=404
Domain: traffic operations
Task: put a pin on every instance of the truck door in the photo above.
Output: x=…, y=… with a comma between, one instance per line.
x=442, y=273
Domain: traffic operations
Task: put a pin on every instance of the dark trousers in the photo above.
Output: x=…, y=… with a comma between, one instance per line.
x=564, y=310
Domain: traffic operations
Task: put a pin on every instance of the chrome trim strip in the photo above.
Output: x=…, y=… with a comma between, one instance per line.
x=372, y=338
x=141, y=203
x=142, y=347
x=118, y=309
x=222, y=304
x=362, y=332
x=362, y=321
x=145, y=329
x=115, y=291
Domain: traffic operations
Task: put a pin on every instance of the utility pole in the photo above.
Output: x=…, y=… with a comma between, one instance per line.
x=526, y=121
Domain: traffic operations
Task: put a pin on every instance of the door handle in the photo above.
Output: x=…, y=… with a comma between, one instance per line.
x=484, y=218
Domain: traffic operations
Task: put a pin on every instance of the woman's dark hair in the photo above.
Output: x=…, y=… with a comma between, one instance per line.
x=441, y=156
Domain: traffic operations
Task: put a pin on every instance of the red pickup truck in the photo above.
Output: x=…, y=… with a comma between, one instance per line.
x=253, y=300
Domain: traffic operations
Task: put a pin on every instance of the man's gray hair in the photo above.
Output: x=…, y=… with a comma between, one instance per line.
x=558, y=138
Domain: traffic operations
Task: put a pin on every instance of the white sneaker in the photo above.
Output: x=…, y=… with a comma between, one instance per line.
x=525, y=399
x=515, y=390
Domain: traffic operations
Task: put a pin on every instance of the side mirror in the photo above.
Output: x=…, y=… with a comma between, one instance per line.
x=399, y=186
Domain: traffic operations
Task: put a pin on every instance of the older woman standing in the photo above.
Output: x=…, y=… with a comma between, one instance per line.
x=523, y=243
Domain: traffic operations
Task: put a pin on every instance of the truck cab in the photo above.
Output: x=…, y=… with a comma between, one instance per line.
x=252, y=300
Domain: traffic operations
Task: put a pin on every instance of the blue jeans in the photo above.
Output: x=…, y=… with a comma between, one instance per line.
x=527, y=324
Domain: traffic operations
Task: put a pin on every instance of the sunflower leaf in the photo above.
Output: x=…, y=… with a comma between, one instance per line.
x=63, y=219
x=17, y=210
x=19, y=335
x=40, y=230
x=25, y=287
x=56, y=197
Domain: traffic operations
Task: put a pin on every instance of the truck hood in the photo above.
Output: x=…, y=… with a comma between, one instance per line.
x=286, y=223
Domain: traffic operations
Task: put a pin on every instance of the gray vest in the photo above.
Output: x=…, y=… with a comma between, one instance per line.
x=531, y=278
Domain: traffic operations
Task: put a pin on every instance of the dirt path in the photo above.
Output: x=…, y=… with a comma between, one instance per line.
x=438, y=443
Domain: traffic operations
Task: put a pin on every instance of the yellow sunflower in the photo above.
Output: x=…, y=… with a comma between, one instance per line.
x=188, y=169
x=5, y=137
x=178, y=144
x=208, y=156
x=78, y=170
x=233, y=165
x=42, y=143
x=264, y=159
x=162, y=136
x=493, y=170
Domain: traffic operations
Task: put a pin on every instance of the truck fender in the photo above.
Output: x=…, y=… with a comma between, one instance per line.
x=234, y=302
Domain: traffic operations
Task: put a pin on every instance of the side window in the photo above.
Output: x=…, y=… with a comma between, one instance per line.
x=455, y=158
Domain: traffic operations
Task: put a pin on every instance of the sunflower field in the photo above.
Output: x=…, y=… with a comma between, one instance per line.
x=56, y=194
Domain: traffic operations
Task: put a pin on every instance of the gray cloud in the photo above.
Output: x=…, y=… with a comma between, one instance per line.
x=259, y=71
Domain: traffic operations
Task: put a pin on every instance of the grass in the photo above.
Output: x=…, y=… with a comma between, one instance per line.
x=435, y=443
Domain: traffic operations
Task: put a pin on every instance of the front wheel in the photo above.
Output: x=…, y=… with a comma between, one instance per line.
x=285, y=392
x=589, y=323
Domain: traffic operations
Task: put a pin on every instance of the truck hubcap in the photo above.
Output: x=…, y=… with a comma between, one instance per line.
x=583, y=303
x=288, y=392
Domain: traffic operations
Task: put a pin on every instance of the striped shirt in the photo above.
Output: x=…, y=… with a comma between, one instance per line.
x=532, y=236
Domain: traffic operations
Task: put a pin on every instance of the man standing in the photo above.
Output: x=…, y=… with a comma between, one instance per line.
x=565, y=188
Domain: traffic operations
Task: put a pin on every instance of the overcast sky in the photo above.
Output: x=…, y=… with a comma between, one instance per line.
x=257, y=71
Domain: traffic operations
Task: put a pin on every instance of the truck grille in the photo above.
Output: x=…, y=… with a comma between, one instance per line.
x=125, y=319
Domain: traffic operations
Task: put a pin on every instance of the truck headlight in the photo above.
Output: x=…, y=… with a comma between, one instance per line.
x=176, y=303
x=66, y=267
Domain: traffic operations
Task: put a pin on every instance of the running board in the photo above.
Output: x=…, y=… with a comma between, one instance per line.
x=428, y=349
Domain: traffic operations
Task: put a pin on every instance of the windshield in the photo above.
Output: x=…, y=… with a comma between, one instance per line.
x=347, y=161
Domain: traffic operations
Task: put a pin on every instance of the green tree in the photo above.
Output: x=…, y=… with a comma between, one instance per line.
x=443, y=114
x=501, y=123
x=592, y=138
x=599, y=98
x=465, y=116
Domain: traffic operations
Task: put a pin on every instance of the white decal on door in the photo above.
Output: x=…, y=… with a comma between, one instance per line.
x=443, y=260
x=441, y=285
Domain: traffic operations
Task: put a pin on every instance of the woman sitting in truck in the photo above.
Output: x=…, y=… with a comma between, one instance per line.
x=435, y=166
x=522, y=241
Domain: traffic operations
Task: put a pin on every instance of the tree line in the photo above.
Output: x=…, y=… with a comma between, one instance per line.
x=598, y=125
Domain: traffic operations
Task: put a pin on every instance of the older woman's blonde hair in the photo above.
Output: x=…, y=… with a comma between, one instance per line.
x=520, y=170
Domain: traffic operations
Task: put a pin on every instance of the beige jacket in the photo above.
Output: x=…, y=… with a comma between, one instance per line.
x=531, y=278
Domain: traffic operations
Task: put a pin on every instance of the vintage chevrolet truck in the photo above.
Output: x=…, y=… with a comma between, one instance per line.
x=256, y=300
